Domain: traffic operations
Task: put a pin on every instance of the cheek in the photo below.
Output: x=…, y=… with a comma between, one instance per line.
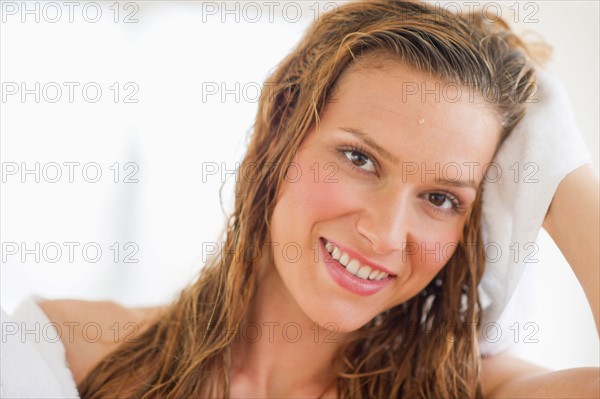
x=313, y=190
x=429, y=253
x=303, y=202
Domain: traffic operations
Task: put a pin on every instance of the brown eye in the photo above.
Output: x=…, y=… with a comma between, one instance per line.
x=438, y=200
x=360, y=160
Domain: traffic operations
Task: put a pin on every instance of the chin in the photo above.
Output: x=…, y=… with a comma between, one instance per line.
x=339, y=319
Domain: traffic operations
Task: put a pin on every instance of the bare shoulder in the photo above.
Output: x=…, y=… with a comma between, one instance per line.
x=90, y=330
x=503, y=369
x=506, y=376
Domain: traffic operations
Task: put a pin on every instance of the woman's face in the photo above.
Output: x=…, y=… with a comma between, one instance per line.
x=384, y=187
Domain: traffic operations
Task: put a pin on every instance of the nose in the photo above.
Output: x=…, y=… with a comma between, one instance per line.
x=385, y=222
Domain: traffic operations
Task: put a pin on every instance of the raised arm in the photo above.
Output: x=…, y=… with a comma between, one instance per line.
x=573, y=222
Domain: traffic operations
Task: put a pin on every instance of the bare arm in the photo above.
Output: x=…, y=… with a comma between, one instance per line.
x=573, y=222
x=505, y=376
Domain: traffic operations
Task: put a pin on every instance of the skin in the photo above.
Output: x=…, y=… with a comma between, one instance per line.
x=374, y=214
x=373, y=208
x=576, y=202
x=380, y=213
x=573, y=222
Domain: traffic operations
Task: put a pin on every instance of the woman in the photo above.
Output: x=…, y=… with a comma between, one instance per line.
x=347, y=272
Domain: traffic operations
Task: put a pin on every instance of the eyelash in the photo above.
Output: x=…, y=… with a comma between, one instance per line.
x=456, y=202
x=356, y=148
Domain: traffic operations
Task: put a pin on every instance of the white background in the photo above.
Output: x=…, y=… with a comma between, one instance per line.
x=170, y=54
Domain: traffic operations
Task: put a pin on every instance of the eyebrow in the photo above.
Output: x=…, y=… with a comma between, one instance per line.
x=457, y=183
x=365, y=137
x=393, y=159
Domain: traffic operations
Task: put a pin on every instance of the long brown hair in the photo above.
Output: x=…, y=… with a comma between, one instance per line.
x=423, y=348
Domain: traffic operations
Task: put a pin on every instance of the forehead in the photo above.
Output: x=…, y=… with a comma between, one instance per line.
x=414, y=115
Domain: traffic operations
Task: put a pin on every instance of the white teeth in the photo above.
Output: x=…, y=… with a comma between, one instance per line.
x=353, y=266
x=344, y=259
x=336, y=253
x=364, y=272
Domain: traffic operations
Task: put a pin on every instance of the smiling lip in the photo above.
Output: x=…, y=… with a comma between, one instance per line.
x=347, y=280
x=358, y=257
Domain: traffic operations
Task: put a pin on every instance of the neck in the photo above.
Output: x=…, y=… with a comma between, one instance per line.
x=278, y=351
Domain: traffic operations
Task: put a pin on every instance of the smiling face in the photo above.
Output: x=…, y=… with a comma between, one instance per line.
x=387, y=178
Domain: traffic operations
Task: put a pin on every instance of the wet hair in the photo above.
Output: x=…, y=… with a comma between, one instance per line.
x=186, y=352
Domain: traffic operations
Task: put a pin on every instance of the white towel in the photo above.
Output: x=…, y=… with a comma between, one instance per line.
x=33, y=361
x=544, y=147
